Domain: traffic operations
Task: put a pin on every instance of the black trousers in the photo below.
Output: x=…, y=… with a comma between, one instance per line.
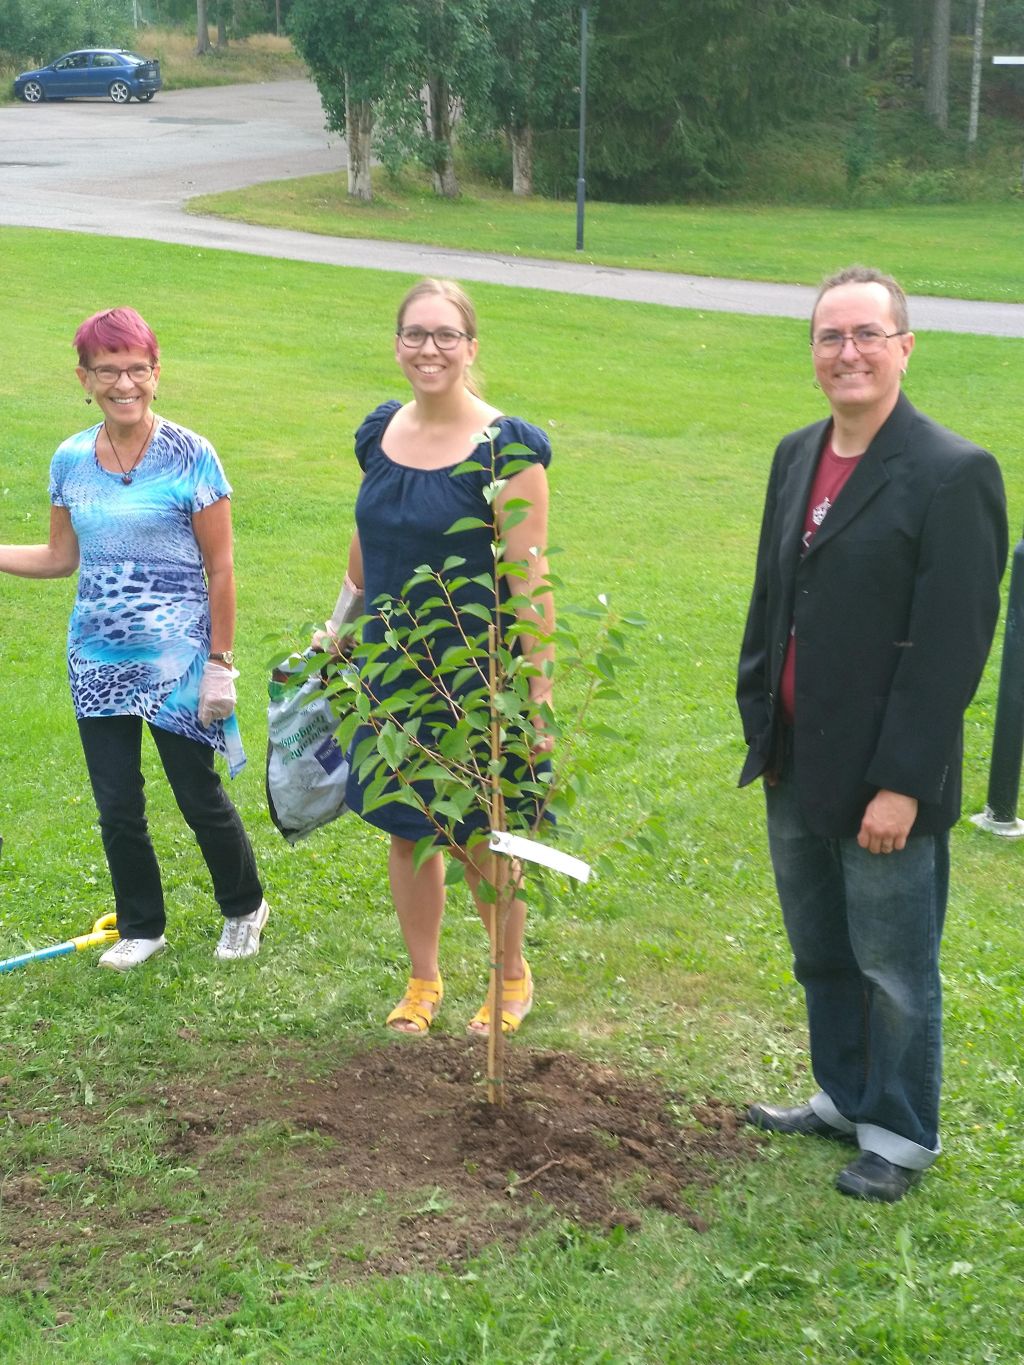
x=113, y=756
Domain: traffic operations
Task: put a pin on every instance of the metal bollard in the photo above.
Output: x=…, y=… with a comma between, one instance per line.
x=1000, y=814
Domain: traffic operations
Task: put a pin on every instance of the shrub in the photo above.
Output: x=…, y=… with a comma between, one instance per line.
x=37, y=31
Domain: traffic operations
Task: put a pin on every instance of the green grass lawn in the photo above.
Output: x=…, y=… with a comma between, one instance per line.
x=663, y=424
x=962, y=250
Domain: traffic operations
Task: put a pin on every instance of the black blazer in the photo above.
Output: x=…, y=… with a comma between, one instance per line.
x=894, y=604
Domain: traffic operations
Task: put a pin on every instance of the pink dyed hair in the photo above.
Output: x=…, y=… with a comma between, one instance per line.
x=115, y=329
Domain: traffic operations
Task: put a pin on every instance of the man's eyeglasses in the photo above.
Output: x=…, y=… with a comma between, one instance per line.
x=867, y=340
x=110, y=374
x=444, y=338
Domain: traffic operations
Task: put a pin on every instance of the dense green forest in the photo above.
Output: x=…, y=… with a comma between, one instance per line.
x=829, y=101
x=808, y=99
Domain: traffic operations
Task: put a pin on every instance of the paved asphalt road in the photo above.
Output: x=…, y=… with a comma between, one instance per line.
x=126, y=171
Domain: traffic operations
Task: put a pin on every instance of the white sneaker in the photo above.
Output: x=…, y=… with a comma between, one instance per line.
x=241, y=936
x=131, y=952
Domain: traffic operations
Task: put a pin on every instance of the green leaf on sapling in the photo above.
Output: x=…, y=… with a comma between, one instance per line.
x=422, y=850
x=466, y=524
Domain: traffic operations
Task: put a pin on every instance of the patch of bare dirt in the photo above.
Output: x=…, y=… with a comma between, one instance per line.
x=398, y=1161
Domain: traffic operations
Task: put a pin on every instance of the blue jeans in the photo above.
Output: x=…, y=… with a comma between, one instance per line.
x=113, y=754
x=865, y=930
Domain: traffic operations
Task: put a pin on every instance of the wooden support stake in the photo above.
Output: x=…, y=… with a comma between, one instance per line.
x=499, y=910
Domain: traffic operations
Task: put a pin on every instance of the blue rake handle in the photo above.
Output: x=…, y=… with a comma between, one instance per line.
x=103, y=931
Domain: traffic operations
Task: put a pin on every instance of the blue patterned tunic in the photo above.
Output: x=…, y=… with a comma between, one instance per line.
x=139, y=633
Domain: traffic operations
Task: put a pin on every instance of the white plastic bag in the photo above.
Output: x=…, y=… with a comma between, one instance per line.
x=306, y=768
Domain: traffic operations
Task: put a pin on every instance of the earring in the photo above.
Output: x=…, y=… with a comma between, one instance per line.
x=88, y=398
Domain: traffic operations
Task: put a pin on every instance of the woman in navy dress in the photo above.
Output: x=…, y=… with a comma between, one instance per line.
x=407, y=502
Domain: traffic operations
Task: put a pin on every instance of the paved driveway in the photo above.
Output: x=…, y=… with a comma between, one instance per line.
x=126, y=171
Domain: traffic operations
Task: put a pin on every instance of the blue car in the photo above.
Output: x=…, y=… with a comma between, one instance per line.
x=92, y=73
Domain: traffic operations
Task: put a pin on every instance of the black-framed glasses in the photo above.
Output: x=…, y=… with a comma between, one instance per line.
x=110, y=374
x=867, y=340
x=444, y=338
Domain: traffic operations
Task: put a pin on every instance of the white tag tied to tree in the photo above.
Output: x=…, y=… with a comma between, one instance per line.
x=515, y=846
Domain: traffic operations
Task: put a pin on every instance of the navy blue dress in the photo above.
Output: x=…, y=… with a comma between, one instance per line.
x=402, y=516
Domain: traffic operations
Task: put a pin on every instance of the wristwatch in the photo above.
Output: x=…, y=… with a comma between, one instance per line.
x=226, y=656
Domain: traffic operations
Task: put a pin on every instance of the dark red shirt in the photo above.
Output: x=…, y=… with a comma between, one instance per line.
x=829, y=481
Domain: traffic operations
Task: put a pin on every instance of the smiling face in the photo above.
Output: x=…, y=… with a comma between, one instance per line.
x=860, y=385
x=124, y=401
x=429, y=370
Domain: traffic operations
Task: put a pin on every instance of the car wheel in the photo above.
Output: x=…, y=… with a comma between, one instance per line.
x=33, y=93
x=119, y=92
x=144, y=99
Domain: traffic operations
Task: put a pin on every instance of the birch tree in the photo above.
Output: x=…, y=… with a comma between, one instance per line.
x=202, y=29
x=359, y=53
x=535, y=75
x=936, y=100
x=456, y=59
x=976, y=55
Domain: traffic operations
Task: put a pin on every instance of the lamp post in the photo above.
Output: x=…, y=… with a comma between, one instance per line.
x=581, y=183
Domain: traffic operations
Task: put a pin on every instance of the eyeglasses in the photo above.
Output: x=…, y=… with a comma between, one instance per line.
x=867, y=340
x=110, y=374
x=444, y=338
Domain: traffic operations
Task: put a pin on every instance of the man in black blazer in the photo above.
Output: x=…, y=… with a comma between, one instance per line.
x=875, y=599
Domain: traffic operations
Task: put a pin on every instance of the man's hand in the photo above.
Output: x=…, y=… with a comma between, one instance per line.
x=888, y=819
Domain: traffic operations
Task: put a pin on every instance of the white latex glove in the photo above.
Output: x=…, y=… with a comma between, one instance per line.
x=348, y=608
x=216, y=692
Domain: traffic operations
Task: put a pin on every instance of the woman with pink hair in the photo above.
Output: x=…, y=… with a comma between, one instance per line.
x=140, y=507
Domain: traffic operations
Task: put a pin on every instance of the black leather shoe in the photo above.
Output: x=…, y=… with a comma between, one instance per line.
x=800, y=1119
x=872, y=1177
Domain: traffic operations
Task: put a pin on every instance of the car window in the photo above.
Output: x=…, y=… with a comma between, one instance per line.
x=105, y=59
x=74, y=62
x=134, y=57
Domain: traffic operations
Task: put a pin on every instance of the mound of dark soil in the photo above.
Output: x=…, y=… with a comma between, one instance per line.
x=581, y=1140
x=385, y=1162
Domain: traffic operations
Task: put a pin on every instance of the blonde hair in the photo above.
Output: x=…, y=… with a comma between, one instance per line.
x=454, y=293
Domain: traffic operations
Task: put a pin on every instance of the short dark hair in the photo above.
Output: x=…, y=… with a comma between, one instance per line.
x=866, y=274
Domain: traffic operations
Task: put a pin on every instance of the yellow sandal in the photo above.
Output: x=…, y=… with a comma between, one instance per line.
x=517, y=991
x=419, y=1006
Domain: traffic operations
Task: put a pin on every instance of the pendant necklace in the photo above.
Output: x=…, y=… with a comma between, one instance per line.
x=126, y=474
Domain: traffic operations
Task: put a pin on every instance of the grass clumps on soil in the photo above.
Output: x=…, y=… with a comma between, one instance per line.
x=330, y=1166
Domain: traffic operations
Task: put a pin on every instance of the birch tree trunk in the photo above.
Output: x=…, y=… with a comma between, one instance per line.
x=521, y=142
x=937, y=94
x=918, y=43
x=979, y=37
x=439, y=129
x=202, y=29
x=359, y=137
